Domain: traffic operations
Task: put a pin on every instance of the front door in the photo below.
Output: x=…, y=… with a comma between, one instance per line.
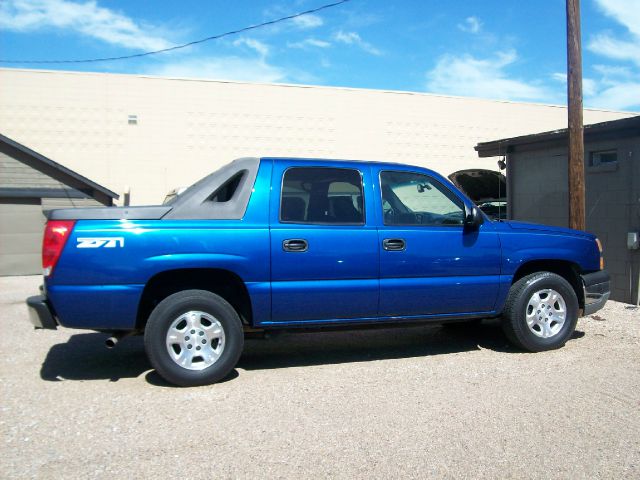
x=430, y=263
x=324, y=256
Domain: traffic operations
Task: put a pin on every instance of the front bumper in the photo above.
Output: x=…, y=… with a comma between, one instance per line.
x=597, y=289
x=40, y=313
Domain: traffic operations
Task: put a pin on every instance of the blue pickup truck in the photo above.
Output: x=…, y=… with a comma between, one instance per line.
x=280, y=243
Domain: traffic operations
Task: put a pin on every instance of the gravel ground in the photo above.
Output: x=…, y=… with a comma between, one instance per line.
x=416, y=402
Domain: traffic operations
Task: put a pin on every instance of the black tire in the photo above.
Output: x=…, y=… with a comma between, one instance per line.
x=514, y=322
x=170, y=309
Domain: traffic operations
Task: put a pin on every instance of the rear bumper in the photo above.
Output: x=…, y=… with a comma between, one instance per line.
x=597, y=289
x=40, y=313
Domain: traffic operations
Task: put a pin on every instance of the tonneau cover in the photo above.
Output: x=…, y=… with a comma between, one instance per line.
x=110, y=213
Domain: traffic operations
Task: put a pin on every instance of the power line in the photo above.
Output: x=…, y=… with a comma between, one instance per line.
x=195, y=42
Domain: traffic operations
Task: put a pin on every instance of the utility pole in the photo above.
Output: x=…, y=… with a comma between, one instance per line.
x=574, y=101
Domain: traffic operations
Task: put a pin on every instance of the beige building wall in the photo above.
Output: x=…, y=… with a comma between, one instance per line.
x=188, y=128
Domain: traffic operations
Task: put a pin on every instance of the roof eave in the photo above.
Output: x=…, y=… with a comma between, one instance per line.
x=59, y=172
x=626, y=127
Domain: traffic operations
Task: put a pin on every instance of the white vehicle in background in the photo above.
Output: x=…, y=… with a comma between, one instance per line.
x=173, y=194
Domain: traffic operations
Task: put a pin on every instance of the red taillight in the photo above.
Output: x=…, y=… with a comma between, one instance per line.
x=55, y=236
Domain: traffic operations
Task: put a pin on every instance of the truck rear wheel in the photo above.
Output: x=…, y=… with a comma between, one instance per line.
x=541, y=312
x=193, y=337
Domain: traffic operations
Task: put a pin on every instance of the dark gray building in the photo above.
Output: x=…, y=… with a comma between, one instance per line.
x=31, y=183
x=537, y=190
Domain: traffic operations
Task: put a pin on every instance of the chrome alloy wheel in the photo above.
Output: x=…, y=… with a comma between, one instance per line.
x=546, y=313
x=195, y=340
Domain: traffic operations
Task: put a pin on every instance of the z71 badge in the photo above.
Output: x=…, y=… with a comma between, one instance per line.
x=100, y=242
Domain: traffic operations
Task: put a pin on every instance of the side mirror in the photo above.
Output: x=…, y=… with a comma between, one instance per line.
x=472, y=217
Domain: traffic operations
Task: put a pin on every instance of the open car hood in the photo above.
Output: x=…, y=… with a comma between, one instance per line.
x=481, y=185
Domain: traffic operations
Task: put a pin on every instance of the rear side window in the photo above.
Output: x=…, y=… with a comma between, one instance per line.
x=228, y=189
x=320, y=195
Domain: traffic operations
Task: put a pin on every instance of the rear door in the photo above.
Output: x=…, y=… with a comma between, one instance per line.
x=430, y=263
x=324, y=251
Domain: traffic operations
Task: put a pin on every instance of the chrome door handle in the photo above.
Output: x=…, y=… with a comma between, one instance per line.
x=394, y=244
x=295, y=245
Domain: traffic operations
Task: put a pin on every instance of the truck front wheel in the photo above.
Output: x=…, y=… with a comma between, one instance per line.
x=193, y=337
x=541, y=312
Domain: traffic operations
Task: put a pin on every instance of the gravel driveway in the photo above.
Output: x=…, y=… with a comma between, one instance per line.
x=416, y=402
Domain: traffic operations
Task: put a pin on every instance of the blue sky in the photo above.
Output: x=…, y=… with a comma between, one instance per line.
x=508, y=49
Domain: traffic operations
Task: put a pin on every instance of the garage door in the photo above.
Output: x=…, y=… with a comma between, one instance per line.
x=21, y=227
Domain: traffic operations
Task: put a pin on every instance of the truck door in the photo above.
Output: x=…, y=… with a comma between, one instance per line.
x=430, y=263
x=324, y=253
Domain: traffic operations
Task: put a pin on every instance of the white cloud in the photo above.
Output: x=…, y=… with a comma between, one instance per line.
x=618, y=86
x=481, y=77
x=471, y=25
x=616, y=49
x=86, y=18
x=222, y=68
x=352, y=38
x=625, y=12
x=309, y=43
x=308, y=21
x=589, y=85
x=622, y=96
x=613, y=74
x=614, y=89
x=257, y=45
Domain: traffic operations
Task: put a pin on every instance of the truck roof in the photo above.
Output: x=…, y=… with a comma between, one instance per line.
x=341, y=162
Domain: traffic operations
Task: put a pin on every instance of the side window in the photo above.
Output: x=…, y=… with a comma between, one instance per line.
x=228, y=189
x=322, y=195
x=416, y=199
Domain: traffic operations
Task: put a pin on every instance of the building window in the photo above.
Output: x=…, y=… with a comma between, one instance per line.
x=605, y=157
